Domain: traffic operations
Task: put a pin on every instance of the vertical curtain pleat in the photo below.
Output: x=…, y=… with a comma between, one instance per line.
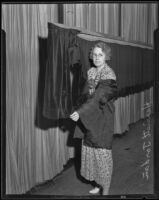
x=130, y=109
x=57, y=91
x=68, y=14
x=138, y=22
x=94, y=17
x=152, y=21
x=80, y=16
x=33, y=155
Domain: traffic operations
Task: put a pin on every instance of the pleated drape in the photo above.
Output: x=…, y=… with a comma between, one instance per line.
x=33, y=155
x=97, y=17
x=130, y=21
x=138, y=21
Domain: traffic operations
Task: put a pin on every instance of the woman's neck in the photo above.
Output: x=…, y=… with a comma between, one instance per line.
x=101, y=67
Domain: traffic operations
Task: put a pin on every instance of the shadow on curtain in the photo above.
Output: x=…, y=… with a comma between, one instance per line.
x=40, y=120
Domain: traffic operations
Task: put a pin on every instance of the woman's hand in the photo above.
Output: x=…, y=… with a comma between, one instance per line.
x=91, y=91
x=74, y=116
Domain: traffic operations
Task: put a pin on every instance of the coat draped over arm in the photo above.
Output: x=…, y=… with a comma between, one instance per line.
x=96, y=124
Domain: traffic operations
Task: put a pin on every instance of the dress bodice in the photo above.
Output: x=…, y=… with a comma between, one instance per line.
x=94, y=76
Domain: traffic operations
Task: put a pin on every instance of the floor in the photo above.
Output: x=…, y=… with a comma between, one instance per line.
x=132, y=172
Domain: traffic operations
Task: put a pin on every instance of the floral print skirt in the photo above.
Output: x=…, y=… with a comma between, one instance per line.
x=97, y=165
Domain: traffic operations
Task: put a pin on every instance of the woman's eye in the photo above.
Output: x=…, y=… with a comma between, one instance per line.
x=99, y=55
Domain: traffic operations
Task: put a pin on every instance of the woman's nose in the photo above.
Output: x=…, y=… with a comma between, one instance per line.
x=96, y=57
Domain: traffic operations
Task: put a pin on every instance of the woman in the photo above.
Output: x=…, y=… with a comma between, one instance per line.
x=95, y=120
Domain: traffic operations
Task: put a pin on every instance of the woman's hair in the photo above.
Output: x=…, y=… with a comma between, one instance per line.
x=105, y=48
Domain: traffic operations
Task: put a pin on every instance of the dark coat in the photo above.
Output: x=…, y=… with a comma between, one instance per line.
x=96, y=124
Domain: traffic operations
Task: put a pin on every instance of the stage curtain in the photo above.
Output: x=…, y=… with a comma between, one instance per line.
x=138, y=22
x=130, y=21
x=131, y=108
x=33, y=154
x=96, y=17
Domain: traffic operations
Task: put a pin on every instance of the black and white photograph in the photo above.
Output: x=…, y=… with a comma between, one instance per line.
x=79, y=111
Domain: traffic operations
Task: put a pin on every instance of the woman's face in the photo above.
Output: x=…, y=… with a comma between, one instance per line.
x=98, y=57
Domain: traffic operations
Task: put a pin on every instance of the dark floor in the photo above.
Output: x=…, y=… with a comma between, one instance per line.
x=133, y=167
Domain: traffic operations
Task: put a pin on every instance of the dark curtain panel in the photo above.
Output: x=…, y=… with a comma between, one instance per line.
x=68, y=52
x=134, y=68
x=58, y=91
x=133, y=65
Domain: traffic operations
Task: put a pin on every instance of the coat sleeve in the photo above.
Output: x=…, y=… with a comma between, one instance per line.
x=106, y=92
x=103, y=93
x=83, y=97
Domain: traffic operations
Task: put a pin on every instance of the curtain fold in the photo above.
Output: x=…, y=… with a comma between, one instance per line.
x=96, y=17
x=130, y=21
x=138, y=22
x=58, y=92
x=130, y=109
x=33, y=154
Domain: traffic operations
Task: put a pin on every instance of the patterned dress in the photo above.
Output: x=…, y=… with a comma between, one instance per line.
x=97, y=163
